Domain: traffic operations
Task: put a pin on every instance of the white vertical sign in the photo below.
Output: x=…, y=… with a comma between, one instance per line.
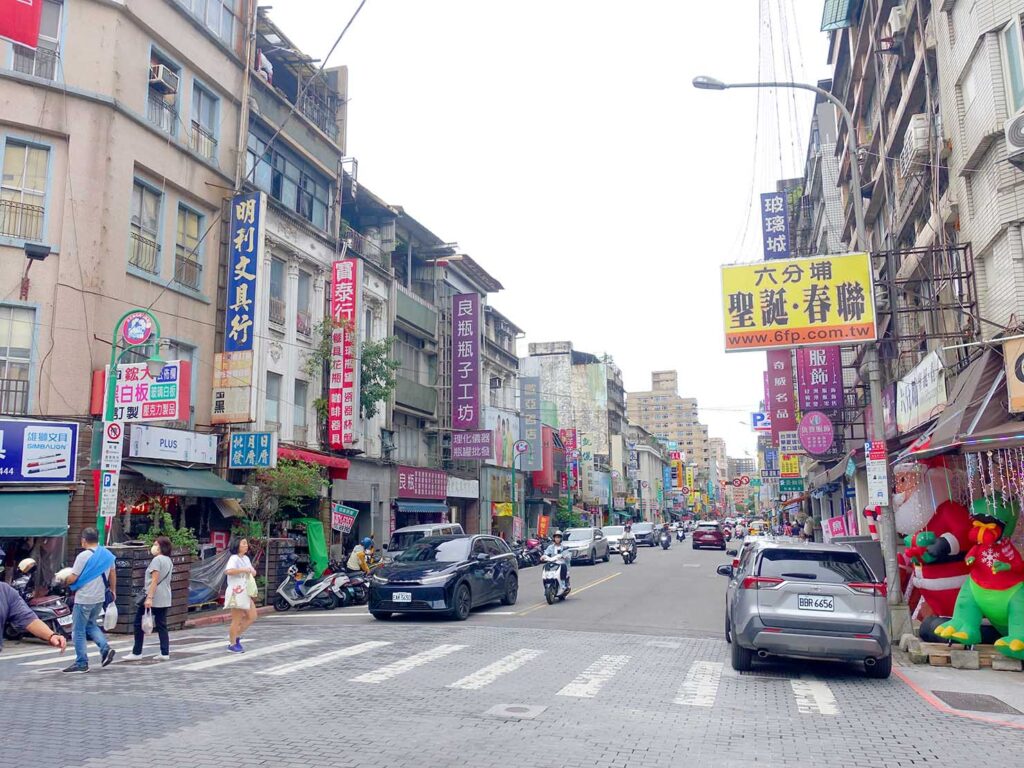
x=110, y=466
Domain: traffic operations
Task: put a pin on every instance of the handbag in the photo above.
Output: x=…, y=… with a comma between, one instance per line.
x=140, y=596
x=148, y=622
x=251, y=588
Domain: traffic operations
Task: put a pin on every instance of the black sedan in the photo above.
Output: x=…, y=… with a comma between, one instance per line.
x=449, y=574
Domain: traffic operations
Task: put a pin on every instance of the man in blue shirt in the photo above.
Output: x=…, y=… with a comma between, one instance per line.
x=16, y=611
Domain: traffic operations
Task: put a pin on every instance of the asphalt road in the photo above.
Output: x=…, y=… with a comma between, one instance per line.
x=631, y=670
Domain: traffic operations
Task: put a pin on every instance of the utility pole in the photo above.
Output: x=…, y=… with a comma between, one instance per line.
x=887, y=527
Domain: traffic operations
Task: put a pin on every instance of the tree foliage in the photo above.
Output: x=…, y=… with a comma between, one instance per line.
x=290, y=485
x=376, y=375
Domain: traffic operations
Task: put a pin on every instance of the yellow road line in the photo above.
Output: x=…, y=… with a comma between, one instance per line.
x=533, y=608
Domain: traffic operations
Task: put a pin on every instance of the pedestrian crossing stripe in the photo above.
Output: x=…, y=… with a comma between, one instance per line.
x=814, y=697
x=492, y=672
x=700, y=688
x=323, y=658
x=590, y=681
x=401, y=666
x=220, y=661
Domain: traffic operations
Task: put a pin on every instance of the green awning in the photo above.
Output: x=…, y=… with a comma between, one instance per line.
x=34, y=514
x=186, y=482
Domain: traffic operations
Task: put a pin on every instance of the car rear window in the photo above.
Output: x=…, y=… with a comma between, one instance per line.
x=707, y=527
x=811, y=565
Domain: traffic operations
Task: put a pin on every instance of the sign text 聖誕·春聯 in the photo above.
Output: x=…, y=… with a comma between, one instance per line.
x=813, y=301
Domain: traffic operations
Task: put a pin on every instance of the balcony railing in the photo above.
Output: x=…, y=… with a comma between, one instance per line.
x=304, y=323
x=362, y=245
x=13, y=397
x=21, y=221
x=277, y=311
x=161, y=114
x=202, y=141
x=188, y=272
x=42, y=62
x=143, y=252
x=323, y=113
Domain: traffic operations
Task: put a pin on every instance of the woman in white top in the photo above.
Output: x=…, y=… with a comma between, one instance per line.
x=236, y=598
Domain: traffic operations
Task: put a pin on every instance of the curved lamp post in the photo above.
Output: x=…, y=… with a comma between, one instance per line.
x=886, y=524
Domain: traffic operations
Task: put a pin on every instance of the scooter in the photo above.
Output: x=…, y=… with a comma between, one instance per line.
x=665, y=539
x=52, y=609
x=680, y=535
x=628, y=551
x=308, y=593
x=552, y=577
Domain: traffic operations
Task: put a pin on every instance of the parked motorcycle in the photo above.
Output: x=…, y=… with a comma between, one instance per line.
x=665, y=539
x=347, y=588
x=552, y=577
x=628, y=551
x=307, y=593
x=52, y=609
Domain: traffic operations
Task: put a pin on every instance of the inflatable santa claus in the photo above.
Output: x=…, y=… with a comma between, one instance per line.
x=937, y=531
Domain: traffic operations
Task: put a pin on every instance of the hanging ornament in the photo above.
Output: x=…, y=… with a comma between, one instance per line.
x=1004, y=481
x=990, y=488
x=972, y=475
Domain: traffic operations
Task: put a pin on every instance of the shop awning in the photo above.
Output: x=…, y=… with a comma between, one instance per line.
x=34, y=514
x=338, y=466
x=975, y=404
x=187, y=482
x=229, y=507
x=432, y=507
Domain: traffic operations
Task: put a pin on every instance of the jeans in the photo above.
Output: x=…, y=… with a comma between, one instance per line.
x=86, y=627
x=160, y=619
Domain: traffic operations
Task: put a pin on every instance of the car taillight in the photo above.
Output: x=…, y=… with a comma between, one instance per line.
x=761, y=582
x=870, y=588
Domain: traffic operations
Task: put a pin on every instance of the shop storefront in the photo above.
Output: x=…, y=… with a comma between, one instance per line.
x=464, y=503
x=420, y=497
x=497, y=500
x=367, y=488
x=38, y=465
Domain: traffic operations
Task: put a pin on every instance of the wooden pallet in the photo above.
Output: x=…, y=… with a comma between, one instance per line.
x=939, y=654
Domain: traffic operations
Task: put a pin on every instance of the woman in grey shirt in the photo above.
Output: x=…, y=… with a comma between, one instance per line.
x=157, y=597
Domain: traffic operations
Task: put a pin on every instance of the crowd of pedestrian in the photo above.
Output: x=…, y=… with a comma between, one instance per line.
x=92, y=578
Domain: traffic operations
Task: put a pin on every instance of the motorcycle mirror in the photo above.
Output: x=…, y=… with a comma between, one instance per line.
x=725, y=570
x=731, y=552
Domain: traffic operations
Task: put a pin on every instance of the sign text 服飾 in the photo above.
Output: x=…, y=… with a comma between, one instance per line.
x=819, y=378
x=813, y=301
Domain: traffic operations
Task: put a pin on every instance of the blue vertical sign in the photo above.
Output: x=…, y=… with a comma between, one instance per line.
x=244, y=246
x=666, y=478
x=775, y=225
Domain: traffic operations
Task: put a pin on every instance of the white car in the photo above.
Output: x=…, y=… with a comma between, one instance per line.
x=613, y=533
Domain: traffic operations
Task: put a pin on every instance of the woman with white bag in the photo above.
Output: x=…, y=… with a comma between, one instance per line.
x=154, y=601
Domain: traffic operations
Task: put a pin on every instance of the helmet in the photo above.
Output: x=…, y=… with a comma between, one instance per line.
x=367, y=542
x=629, y=524
x=26, y=565
x=558, y=534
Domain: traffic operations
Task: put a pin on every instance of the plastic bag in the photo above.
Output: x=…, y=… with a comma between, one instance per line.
x=148, y=622
x=251, y=588
x=110, y=617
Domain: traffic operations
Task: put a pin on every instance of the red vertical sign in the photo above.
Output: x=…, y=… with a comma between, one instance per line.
x=343, y=400
x=19, y=21
x=782, y=403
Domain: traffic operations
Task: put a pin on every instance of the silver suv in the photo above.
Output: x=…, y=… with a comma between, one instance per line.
x=806, y=601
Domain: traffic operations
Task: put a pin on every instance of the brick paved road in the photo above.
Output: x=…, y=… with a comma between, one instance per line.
x=330, y=689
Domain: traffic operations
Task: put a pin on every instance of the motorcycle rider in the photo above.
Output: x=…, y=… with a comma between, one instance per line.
x=628, y=538
x=357, y=561
x=556, y=551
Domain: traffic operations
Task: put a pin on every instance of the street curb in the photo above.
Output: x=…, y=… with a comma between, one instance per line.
x=221, y=617
x=941, y=706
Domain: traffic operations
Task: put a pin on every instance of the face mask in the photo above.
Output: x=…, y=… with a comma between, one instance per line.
x=155, y=550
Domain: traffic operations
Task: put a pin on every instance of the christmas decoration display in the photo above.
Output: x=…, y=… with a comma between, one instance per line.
x=994, y=589
x=937, y=527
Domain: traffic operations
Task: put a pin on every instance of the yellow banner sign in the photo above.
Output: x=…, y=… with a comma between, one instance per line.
x=817, y=300
x=789, y=465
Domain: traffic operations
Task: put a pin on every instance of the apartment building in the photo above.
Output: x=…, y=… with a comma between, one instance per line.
x=663, y=413
x=117, y=137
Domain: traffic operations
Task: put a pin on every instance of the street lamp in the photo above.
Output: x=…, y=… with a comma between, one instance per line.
x=135, y=330
x=888, y=530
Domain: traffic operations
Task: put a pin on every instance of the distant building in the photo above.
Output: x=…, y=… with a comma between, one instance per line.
x=663, y=413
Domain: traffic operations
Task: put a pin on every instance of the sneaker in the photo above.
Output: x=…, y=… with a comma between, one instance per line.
x=164, y=657
x=236, y=648
x=108, y=657
x=133, y=657
x=75, y=668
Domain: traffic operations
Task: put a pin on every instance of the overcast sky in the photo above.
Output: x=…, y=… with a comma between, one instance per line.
x=560, y=143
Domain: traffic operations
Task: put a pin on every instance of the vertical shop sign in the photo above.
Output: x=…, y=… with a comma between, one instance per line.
x=781, y=407
x=20, y=21
x=819, y=378
x=529, y=396
x=343, y=390
x=466, y=361
x=775, y=225
x=232, y=376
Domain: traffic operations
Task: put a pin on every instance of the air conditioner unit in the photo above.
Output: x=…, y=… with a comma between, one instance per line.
x=1013, y=130
x=897, y=21
x=163, y=79
x=915, y=144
